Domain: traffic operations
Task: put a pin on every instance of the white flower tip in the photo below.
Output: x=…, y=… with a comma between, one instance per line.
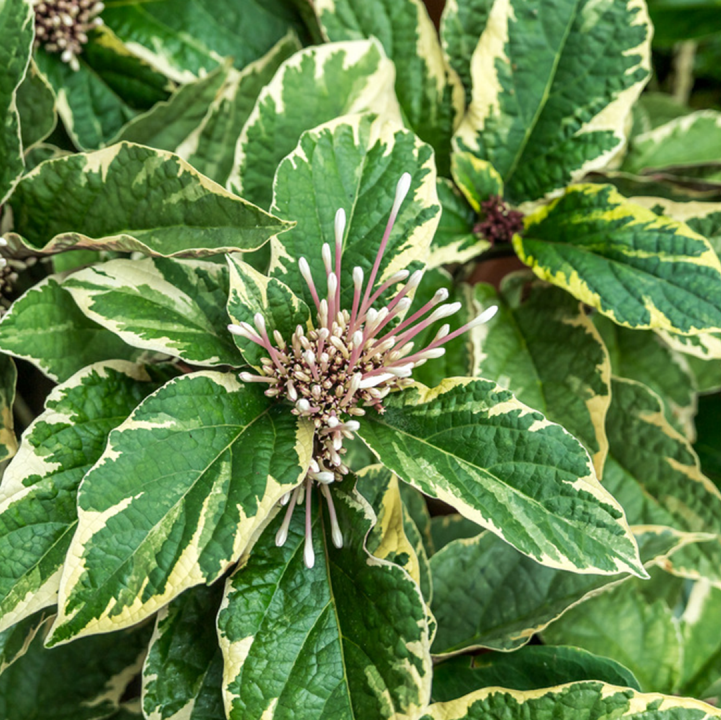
x=415, y=279
x=281, y=536
x=325, y=476
x=235, y=329
x=357, y=276
x=303, y=267
x=259, y=321
x=404, y=304
x=339, y=226
x=441, y=295
x=3, y=242
x=333, y=421
x=357, y=338
x=308, y=554
x=352, y=425
x=447, y=310
x=337, y=536
x=325, y=254
x=404, y=185
x=246, y=377
x=374, y=380
x=303, y=405
x=484, y=317
x=332, y=283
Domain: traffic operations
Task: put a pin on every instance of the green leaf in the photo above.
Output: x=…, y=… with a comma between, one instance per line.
x=252, y=292
x=160, y=304
x=587, y=700
x=36, y=106
x=641, y=270
x=210, y=148
x=653, y=472
x=473, y=445
x=314, y=86
x=553, y=84
x=8, y=379
x=706, y=445
x=184, y=485
x=39, y=488
x=82, y=681
x=642, y=356
x=446, y=528
x=109, y=88
x=16, y=640
x=455, y=240
x=417, y=509
x=699, y=624
x=428, y=89
x=530, y=668
x=16, y=39
x=45, y=327
x=133, y=198
x=183, y=672
x=469, y=575
x=623, y=625
x=395, y=536
x=477, y=179
x=675, y=20
x=184, y=39
x=354, y=163
x=462, y=23
x=694, y=138
x=346, y=639
x=546, y=351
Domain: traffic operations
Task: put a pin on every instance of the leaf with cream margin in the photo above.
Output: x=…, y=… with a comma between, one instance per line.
x=587, y=700
x=462, y=23
x=45, y=327
x=8, y=379
x=654, y=473
x=16, y=640
x=553, y=86
x=133, y=198
x=313, y=86
x=83, y=681
x=39, y=489
x=547, y=352
x=354, y=163
x=504, y=466
x=637, y=268
x=251, y=293
x=16, y=40
x=36, y=106
x=183, y=671
x=429, y=91
x=347, y=638
x=161, y=304
x=470, y=574
x=185, y=39
x=184, y=485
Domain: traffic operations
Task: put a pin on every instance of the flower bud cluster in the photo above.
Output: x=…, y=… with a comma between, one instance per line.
x=349, y=360
x=62, y=26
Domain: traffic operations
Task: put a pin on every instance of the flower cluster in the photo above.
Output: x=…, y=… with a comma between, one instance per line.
x=349, y=361
x=500, y=223
x=62, y=26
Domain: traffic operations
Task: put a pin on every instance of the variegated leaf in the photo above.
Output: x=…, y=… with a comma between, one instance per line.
x=456, y=240
x=447, y=528
x=429, y=90
x=346, y=639
x=547, y=352
x=629, y=626
x=477, y=179
x=639, y=269
x=462, y=23
x=530, y=668
x=16, y=640
x=184, y=485
x=653, y=472
x=16, y=39
x=184, y=39
x=252, y=292
x=553, y=85
x=36, y=106
x=183, y=671
x=417, y=508
x=45, y=327
x=589, y=700
x=469, y=575
x=694, y=138
x=473, y=445
x=39, y=487
x=210, y=148
x=108, y=89
x=354, y=163
x=133, y=198
x=641, y=355
x=168, y=306
x=310, y=88
x=8, y=378
x=82, y=681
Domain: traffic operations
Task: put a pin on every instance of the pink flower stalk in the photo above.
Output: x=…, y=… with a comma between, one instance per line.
x=349, y=361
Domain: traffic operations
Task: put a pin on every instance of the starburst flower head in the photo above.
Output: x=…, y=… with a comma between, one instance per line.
x=349, y=362
x=62, y=26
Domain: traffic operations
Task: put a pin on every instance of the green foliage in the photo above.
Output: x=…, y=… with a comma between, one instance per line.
x=320, y=445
